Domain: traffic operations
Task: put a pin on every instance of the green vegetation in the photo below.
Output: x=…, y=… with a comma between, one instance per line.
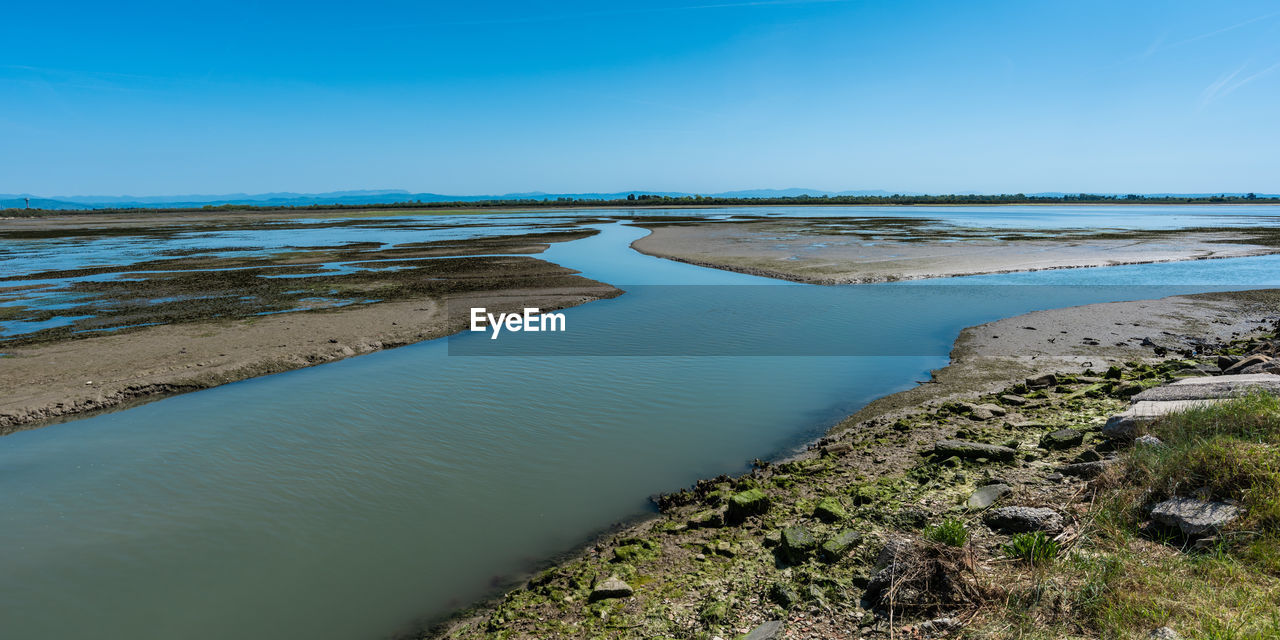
x=1225, y=452
x=1035, y=549
x=1126, y=577
x=951, y=532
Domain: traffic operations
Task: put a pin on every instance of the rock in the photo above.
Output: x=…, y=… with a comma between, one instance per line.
x=1125, y=426
x=1128, y=389
x=988, y=495
x=1205, y=544
x=628, y=553
x=896, y=559
x=1062, y=439
x=911, y=518
x=1088, y=455
x=1148, y=441
x=1120, y=427
x=835, y=549
x=976, y=411
x=1113, y=373
x=797, y=544
x=972, y=450
x=771, y=630
x=745, y=504
x=709, y=518
x=837, y=449
x=1162, y=347
x=1023, y=520
x=1270, y=367
x=1086, y=470
x=894, y=549
x=1040, y=382
x=986, y=411
x=1245, y=363
x=938, y=626
x=1194, y=517
x=725, y=548
x=1163, y=633
x=611, y=587
x=1054, y=477
x=1226, y=362
x=1213, y=387
x=829, y=509
x=784, y=594
x=1014, y=401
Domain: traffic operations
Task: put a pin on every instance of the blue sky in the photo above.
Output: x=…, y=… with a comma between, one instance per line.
x=692, y=95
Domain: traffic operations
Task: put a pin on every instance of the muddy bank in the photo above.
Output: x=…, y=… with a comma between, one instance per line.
x=797, y=541
x=863, y=250
x=168, y=324
x=991, y=355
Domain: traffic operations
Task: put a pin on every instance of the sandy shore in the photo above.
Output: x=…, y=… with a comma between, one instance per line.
x=873, y=251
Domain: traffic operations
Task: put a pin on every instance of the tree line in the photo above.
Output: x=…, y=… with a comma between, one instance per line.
x=641, y=200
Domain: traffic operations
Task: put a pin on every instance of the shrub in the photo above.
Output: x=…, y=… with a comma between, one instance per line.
x=951, y=532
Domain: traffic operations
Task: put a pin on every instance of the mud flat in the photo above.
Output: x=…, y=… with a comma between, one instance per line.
x=186, y=320
x=863, y=250
x=797, y=547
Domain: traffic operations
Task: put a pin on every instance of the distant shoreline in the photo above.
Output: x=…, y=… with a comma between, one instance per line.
x=667, y=202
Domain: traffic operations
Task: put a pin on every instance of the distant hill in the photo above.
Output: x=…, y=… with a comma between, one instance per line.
x=394, y=196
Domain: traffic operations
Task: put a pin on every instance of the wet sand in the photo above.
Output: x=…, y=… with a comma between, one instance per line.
x=878, y=250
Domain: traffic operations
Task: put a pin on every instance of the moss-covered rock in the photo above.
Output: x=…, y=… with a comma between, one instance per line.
x=633, y=550
x=830, y=509
x=746, y=504
x=784, y=594
x=797, y=544
x=972, y=450
x=709, y=518
x=839, y=546
x=1061, y=439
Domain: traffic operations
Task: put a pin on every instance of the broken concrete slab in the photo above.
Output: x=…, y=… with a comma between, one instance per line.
x=1212, y=387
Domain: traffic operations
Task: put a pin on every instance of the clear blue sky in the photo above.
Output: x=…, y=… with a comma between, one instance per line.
x=682, y=95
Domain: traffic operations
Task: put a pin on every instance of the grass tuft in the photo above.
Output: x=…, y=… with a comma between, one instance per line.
x=1035, y=549
x=950, y=532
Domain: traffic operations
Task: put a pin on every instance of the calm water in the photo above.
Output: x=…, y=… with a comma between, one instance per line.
x=346, y=500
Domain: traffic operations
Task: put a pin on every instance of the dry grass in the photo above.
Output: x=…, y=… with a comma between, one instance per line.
x=1122, y=579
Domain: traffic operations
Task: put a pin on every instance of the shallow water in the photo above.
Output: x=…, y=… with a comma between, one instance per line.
x=346, y=500
x=248, y=239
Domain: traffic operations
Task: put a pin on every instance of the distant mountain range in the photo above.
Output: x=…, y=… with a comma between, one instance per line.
x=391, y=196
